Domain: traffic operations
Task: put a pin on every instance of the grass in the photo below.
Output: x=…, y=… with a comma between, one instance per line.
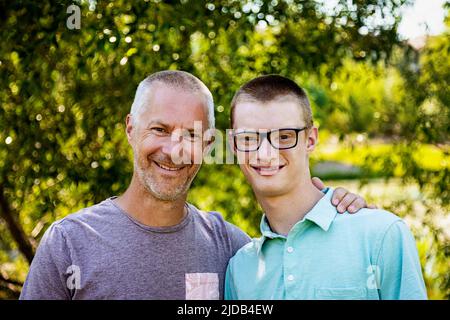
x=356, y=153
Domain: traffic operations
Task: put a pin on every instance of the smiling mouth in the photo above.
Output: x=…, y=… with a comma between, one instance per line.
x=168, y=168
x=267, y=170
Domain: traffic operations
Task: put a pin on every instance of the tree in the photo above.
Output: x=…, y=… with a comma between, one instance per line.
x=66, y=92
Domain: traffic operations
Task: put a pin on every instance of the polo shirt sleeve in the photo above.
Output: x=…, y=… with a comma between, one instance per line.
x=47, y=276
x=230, y=291
x=400, y=274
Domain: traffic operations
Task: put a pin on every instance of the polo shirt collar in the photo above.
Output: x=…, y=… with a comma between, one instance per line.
x=322, y=214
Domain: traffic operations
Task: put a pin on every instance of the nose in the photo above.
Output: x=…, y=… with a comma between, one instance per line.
x=174, y=150
x=267, y=154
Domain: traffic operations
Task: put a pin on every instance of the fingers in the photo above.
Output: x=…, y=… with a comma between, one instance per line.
x=318, y=183
x=338, y=195
x=345, y=202
x=357, y=204
x=350, y=202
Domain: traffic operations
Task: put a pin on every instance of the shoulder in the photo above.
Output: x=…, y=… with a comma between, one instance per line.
x=211, y=219
x=249, y=252
x=94, y=217
x=215, y=222
x=380, y=227
x=368, y=221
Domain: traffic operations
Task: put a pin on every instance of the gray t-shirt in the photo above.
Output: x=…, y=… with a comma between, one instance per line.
x=100, y=252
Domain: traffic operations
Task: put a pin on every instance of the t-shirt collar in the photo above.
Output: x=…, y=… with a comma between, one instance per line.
x=190, y=210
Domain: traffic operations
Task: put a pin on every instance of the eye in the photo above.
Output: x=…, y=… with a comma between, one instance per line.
x=284, y=135
x=158, y=130
x=247, y=138
x=192, y=136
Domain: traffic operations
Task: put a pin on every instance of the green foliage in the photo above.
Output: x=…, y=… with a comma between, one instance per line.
x=65, y=94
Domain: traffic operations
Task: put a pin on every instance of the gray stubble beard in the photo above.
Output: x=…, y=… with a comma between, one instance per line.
x=151, y=187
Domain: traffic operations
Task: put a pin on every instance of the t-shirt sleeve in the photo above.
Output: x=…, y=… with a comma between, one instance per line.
x=399, y=267
x=238, y=237
x=47, y=278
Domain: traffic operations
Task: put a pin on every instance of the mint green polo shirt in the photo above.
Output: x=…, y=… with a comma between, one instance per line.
x=367, y=255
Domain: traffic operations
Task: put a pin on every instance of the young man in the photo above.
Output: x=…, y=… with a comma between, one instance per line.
x=148, y=243
x=307, y=250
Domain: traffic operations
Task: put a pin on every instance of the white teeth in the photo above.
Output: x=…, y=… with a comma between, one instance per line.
x=167, y=168
x=269, y=169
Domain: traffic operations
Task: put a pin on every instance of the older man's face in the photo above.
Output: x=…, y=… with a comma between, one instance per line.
x=166, y=146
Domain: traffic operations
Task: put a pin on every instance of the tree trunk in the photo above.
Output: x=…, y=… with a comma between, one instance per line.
x=15, y=228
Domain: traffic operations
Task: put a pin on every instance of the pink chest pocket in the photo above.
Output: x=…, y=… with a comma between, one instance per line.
x=202, y=286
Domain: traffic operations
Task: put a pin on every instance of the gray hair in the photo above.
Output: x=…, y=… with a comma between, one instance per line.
x=177, y=79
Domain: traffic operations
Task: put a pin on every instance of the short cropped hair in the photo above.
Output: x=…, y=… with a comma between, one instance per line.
x=177, y=79
x=269, y=87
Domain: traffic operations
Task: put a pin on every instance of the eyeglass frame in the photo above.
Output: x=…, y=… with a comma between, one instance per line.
x=267, y=134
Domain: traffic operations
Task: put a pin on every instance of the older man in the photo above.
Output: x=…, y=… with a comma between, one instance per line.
x=148, y=243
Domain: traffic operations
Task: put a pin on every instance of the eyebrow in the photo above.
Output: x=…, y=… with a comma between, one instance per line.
x=159, y=122
x=156, y=122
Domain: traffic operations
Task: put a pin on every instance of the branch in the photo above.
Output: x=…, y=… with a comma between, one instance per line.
x=15, y=228
x=9, y=291
x=10, y=281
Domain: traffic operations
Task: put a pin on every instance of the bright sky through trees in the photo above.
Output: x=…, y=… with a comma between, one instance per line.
x=423, y=17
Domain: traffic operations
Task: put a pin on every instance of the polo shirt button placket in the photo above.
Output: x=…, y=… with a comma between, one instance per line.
x=290, y=277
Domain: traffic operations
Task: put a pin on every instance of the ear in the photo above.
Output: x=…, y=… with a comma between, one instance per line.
x=312, y=139
x=129, y=127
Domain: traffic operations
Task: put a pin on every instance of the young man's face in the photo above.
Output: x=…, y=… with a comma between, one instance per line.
x=167, y=149
x=270, y=171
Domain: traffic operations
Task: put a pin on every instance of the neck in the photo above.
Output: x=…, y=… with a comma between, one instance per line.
x=284, y=211
x=149, y=210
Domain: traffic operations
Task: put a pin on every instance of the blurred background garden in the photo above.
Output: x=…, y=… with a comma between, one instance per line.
x=380, y=97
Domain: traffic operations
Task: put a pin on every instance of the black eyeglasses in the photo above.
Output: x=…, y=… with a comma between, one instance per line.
x=280, y=139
